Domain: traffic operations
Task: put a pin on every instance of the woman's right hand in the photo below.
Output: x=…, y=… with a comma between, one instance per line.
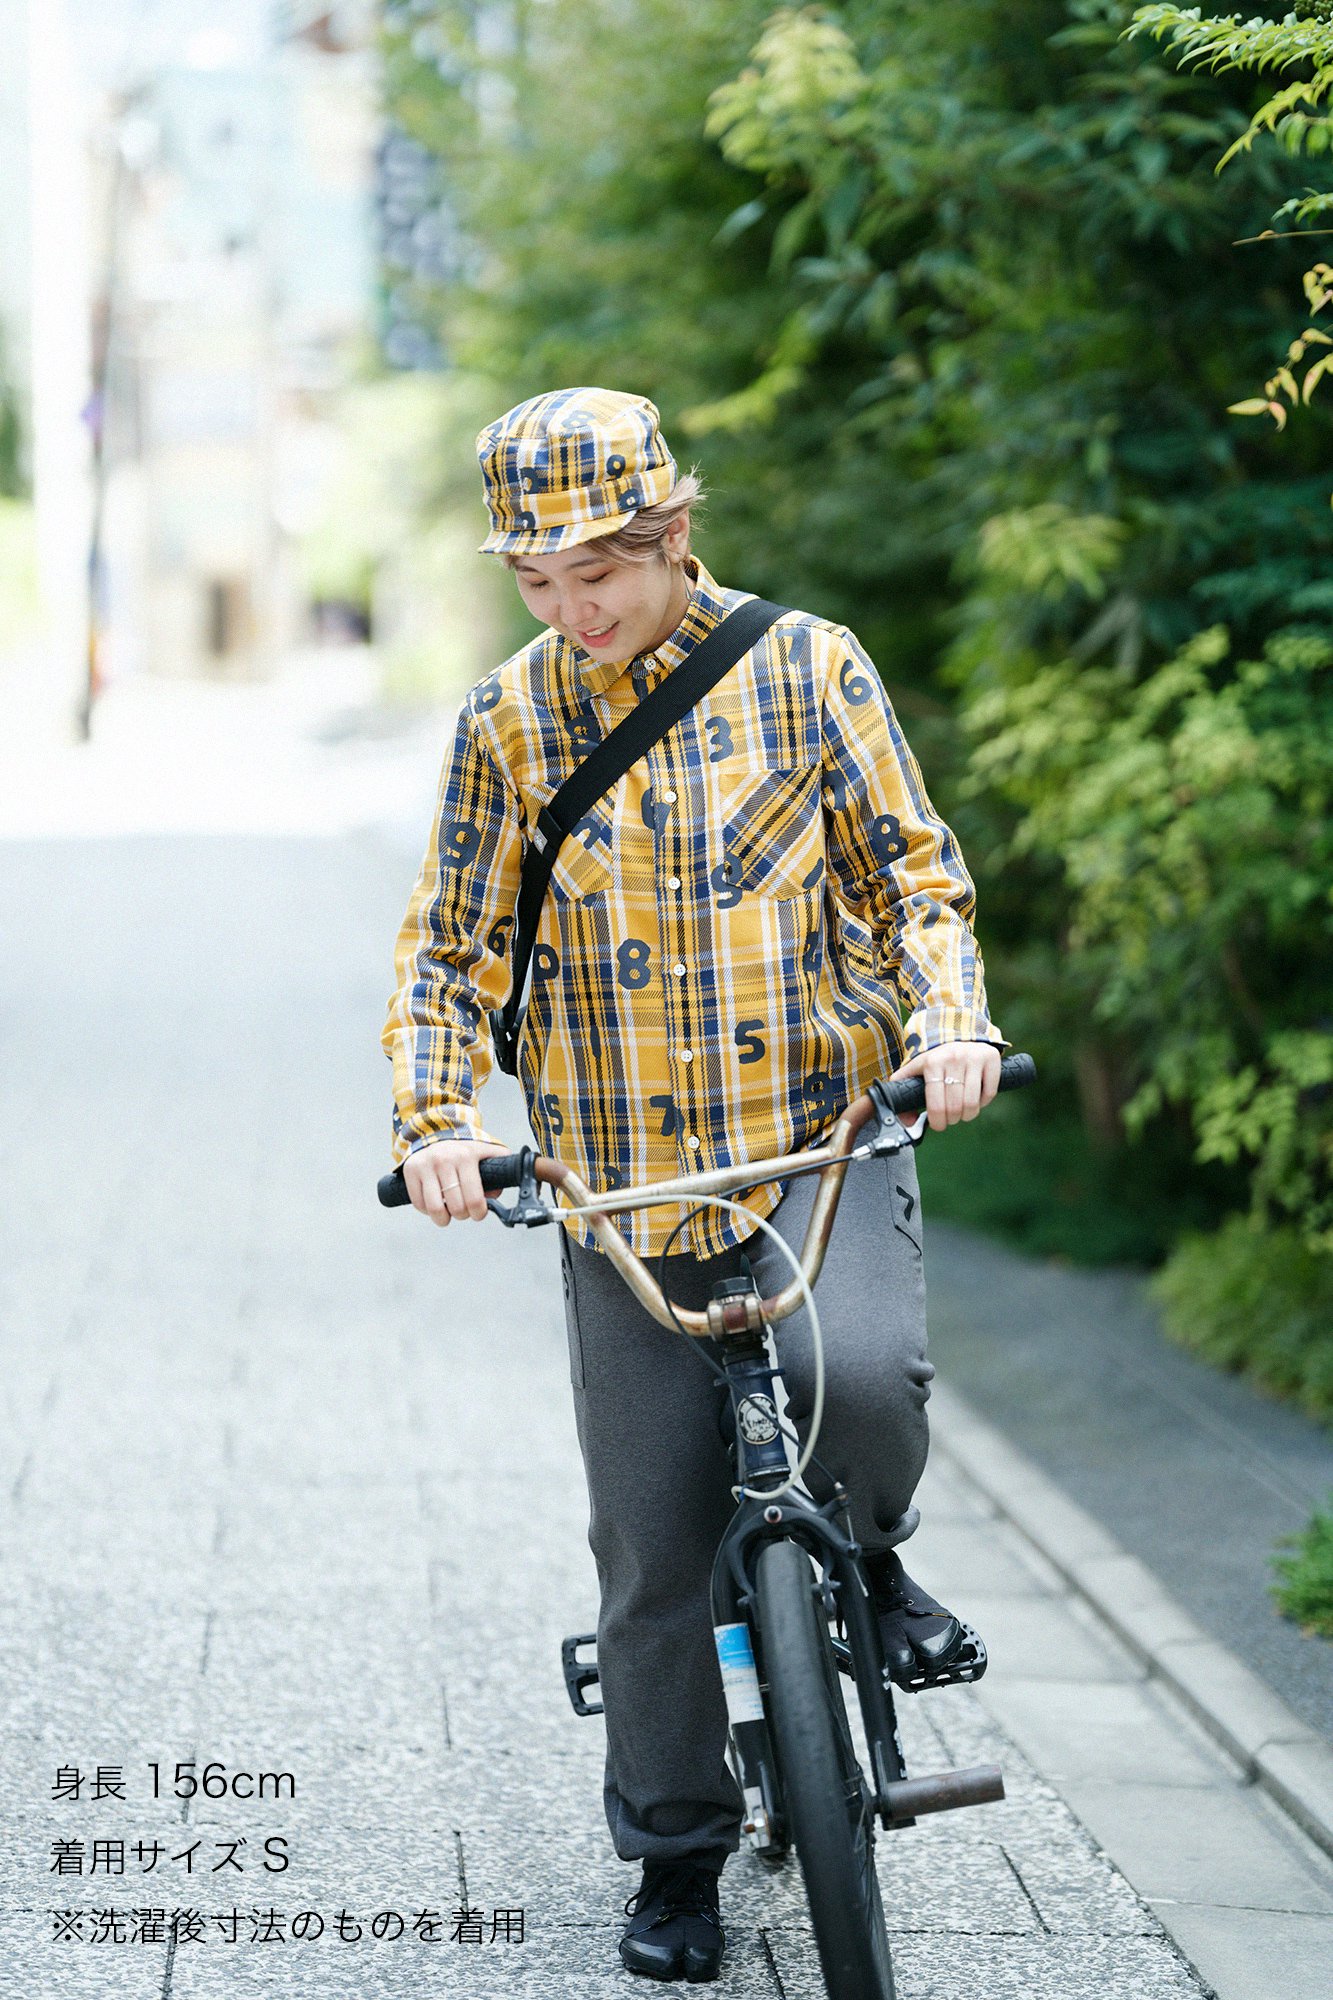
x=444, y=1179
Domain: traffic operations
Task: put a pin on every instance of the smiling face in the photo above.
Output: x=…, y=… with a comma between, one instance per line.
x=614, y=610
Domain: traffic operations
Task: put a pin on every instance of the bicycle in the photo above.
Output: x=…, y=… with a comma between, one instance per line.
x=787, y=1569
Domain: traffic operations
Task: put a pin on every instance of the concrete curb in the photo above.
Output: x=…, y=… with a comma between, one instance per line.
x=1273, y=1747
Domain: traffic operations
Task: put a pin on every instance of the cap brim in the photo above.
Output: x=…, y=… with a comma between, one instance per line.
x=549, y=541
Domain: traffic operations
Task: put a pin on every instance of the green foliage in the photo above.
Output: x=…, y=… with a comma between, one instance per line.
x=1192, y=814
x=12, y=482
x=1259, y=47
x=1256, y=1301
x=1304, y=1591
x=1031, y=1176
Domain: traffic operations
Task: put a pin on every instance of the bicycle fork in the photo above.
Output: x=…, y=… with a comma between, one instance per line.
x=825, y=1532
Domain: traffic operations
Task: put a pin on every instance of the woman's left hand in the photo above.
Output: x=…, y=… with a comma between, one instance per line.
x=960, y=1077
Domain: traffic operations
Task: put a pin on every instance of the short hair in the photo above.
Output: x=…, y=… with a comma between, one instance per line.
x=640, y=540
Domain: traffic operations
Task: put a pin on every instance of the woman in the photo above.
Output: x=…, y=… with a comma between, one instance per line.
x=722, y=955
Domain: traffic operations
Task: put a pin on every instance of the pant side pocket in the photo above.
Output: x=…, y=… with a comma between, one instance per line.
x=571, y=1310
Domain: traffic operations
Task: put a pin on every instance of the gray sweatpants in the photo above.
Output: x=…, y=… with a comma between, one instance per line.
x=659, y=1480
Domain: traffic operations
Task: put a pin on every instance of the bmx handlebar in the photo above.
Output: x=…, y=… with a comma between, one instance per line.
x=829, y=1159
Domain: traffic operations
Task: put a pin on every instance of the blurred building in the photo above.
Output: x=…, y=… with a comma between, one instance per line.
x=235, y=281
x=187, y=276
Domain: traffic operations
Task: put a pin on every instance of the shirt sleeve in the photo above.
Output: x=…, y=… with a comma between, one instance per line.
x=896, y=864
x=453, y=959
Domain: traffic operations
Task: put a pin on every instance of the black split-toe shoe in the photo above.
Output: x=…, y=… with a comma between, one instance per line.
x=917, y=1631
x=674, y=1929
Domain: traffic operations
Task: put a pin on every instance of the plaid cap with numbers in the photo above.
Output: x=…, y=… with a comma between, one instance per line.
x=570, y=465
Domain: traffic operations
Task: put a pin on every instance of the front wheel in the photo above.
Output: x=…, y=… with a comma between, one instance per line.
x=829, y=1807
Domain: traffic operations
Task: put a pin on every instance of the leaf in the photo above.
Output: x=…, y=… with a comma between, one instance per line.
x=740, y=220
x=1320, y=369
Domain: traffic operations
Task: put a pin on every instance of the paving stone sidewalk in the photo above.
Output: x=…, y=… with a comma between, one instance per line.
x=292, y=1484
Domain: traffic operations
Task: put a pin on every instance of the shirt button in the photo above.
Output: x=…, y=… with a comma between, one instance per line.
x=673, y=881
x=693, y=1142
x=687, y=1055
x=668, y=798
x=678, y=970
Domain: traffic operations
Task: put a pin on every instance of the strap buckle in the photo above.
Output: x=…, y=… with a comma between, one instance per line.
x=504, y=1041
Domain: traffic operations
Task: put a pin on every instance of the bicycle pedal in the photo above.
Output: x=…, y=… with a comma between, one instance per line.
x=968, y=1664
x=580, y=1674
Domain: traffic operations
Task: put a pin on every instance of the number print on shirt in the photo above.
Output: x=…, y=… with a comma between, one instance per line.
x=851, y=1017
x=886, y=839
x=486, y=693
x=458, y=841
x=555, y=1117
x=496, y=939
x=632, y=963
x=545, y=962
x=582, y=732
x=855, y=686
x=835, y=789
x=590, y=831
x=654, y=812
x=724, y=885
x=817, y=1090
x=749, y=1041
x=671, y=1118
x=719, y=738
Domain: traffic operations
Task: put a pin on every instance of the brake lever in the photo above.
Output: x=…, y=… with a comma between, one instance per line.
x=885, y=1134
x=527, y=1208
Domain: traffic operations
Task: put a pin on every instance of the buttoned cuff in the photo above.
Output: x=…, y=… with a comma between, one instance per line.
x=931, y=1027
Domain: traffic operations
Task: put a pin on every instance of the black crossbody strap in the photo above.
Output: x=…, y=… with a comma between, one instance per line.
x=646, y=724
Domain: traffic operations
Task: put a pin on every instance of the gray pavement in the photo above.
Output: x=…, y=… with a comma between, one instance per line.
x=291, y=1484
x=1194, y=1472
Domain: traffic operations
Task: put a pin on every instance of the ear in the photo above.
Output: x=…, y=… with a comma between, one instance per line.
x=676, y=539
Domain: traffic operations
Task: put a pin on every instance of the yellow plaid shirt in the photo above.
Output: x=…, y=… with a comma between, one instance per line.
x=727, y=937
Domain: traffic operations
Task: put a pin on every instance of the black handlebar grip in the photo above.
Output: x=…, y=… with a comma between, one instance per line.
x=498, y=1170
x=908, y=1093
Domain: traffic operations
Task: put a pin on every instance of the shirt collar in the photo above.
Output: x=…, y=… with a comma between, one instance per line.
x=705, y=609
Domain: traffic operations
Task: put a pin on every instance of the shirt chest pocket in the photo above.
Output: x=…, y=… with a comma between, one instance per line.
x=772, y=839
x=583, y=865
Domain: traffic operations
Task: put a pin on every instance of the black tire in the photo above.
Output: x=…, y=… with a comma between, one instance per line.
x=830, y=1811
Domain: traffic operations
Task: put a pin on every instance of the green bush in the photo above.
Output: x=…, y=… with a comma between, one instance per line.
x=1027, y=1173
x=1305, y=1589
x=1257, y=1301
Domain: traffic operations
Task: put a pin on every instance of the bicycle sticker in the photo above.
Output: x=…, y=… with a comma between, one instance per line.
x=740, y=1681
x=758, y=1419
